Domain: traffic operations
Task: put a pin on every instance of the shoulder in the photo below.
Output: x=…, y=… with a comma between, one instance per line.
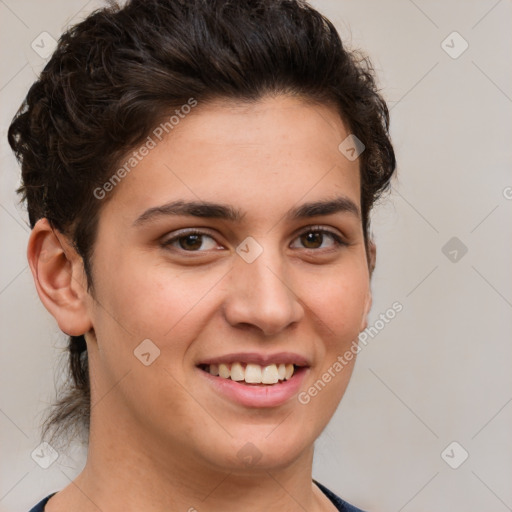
x=40, y=506
x=339, y=503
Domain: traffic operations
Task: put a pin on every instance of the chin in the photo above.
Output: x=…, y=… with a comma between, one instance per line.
x=253, y=451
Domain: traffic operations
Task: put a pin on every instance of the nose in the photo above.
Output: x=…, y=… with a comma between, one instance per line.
x=260, y=297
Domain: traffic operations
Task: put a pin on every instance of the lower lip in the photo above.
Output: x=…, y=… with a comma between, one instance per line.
x=266, y=395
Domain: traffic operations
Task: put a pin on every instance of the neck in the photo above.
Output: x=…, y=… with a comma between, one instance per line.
x=129, y=472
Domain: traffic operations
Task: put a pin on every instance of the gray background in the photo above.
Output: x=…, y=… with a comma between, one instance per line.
x=439, y=372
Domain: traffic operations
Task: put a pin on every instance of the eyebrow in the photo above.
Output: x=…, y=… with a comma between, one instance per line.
x=205, y=209
x=340, y=204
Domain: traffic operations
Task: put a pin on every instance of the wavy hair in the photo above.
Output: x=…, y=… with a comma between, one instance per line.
x=114, y=75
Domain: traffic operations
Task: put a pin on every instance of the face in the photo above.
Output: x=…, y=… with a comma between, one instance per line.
x=234, y=247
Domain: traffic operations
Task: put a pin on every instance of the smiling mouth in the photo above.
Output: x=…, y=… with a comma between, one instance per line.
x=252, y=374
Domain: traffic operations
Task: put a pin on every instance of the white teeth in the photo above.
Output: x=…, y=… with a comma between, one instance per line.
x=253, y=373
x=224, y=371
x=269, y=374
x=237, y=372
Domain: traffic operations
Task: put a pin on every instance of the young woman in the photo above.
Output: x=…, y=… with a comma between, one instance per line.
x=199, y=177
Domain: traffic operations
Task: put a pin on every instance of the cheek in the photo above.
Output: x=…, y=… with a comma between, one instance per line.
x=141, y=302
x=338, y=301
x=155, y=301
x=337, y=308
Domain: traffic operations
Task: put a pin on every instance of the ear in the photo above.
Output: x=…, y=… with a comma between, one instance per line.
x=372, y=258
x=59, y=277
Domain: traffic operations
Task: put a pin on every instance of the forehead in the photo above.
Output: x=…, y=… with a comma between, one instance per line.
x=270, y=152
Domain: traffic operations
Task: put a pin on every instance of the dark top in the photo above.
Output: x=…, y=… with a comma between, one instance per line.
x=340, y=504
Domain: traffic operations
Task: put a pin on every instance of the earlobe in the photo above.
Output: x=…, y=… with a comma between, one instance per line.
x=59, y=278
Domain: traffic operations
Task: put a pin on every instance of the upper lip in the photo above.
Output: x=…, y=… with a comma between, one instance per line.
x=257, y=358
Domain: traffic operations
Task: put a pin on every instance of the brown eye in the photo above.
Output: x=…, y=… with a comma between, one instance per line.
x=317, y=239
x=191, y=242
x=312, y=240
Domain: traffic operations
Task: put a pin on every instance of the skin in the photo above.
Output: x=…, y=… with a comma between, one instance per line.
x=176, y=437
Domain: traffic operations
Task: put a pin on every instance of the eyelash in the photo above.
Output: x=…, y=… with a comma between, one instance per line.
x=338, y=240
